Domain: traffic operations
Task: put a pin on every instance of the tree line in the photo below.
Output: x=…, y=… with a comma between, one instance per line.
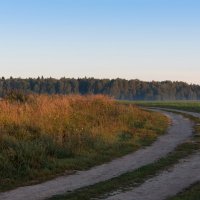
x=117, y=88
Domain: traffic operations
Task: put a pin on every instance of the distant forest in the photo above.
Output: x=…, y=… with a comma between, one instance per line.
x=117, y=88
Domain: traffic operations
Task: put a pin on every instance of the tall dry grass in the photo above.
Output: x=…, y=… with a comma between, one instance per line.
x=37, y=134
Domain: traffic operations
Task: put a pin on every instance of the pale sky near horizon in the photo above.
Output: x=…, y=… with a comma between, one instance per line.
x=132, y=39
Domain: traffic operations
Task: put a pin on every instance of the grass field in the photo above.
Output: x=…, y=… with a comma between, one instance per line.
x=193, y=106
x=43, y=136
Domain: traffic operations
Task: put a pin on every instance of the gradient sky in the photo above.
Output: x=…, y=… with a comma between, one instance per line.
x=143, y=39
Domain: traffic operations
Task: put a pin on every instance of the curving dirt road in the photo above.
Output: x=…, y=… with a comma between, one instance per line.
x=167, y=183
x=180, y=131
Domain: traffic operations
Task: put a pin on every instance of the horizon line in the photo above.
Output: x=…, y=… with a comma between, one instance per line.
x=92, y=77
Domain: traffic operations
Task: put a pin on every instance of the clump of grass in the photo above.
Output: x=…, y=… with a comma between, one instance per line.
x=46, y=135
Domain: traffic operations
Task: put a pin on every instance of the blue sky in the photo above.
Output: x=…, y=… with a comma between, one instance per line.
x=143, y=39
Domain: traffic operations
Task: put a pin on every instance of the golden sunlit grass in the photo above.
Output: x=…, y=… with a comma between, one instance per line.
x=46, y=135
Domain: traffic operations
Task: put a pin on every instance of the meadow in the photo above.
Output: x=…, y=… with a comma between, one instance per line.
x=193, y=106
x=44, y=136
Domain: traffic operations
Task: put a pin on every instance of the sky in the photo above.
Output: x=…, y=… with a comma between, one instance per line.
x=132, y=39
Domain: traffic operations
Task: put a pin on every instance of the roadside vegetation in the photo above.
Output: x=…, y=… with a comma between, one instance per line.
x=135, y=178
x=44, y=136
